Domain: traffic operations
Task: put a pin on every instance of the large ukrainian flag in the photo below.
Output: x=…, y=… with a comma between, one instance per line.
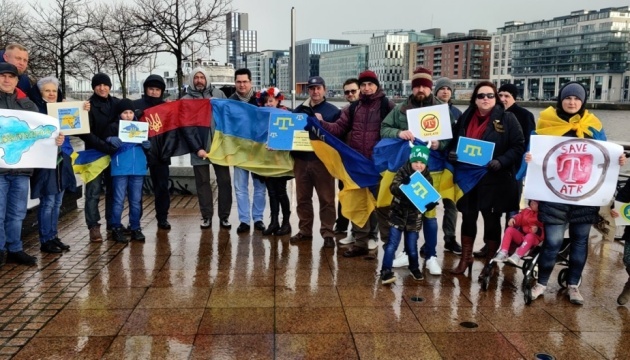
x=357, y=173
x=240, y=138
x=88, y=164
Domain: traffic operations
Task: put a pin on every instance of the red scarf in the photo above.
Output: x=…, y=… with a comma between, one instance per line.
x=477, y=125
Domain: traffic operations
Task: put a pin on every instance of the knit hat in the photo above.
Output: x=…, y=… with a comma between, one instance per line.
x=99, y=79
x=422, y=76
x=124, y=104
x=510, y=88
x=443, y=82
x=419, y=153
x=155, y=81
x=573, y=89
x=368, y=76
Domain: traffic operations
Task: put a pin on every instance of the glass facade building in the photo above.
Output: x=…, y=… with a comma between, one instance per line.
x=307, y=55
x=339, y=65
x=239, y=39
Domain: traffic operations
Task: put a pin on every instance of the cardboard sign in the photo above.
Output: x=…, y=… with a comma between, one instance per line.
x=133, y=131
x=286, y=132
x=624, y=213
x=430, y=123
x=473, y=151
x=420, y=192
x=73, y=118
x=27, y=140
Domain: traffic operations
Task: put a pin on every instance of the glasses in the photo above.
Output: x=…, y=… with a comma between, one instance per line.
x=348, y=92
x=481, y=96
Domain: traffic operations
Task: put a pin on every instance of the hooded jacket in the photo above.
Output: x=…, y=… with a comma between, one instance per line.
x=208, y=92
x=146, y=102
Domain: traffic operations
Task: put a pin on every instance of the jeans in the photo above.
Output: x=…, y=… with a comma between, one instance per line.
x=13, y=201
x=429, y=231
x=132, y=186
x=554, y=236
x=48, y=216
x=93, y=191
x=159, y=179
x=411, y=246
x=241, y=188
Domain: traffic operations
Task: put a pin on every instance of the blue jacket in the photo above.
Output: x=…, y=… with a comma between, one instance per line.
x=129, y=159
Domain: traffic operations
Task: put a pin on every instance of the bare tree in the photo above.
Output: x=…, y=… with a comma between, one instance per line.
x=181, y=22
x=11, y=15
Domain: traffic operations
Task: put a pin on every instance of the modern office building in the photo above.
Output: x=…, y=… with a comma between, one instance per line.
x=590, y=47
x=283, y=76
x=307, y=54
x=239, y=39
x=339, y=65
x=263, y=67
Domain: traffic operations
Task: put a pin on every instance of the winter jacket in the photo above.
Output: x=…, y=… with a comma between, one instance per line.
x=129, y=159
x=102, y=115
x=526, y=219
x=16, y=101
x=525, y=119
x=364, y=131
x=330, y=113
x=403, y=214
x=497, y=191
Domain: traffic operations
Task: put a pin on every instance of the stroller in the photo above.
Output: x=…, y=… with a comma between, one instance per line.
x=529, y=266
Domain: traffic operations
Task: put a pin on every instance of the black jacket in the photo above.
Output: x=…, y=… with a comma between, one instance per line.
x=16, y=101
x=525, y=119
x=403, y=214
x=102, y=114
x=139, y=106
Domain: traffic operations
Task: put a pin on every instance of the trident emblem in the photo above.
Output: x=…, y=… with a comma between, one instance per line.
x=155, y=123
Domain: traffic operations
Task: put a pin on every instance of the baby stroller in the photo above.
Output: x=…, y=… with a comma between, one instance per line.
x=529, y=266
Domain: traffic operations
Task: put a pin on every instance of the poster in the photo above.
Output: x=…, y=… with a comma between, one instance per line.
x=430, y=123
x=572, y=170
x=27, y=140
x=420, y=192
x=73, y=119
x=286, y=132
x=473, y=151
x=133, y=131
x=624, y=213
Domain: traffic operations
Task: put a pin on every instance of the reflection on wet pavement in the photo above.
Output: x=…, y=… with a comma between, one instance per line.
x=201, y=294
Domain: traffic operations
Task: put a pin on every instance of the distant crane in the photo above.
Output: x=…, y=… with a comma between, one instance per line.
x=373, y=32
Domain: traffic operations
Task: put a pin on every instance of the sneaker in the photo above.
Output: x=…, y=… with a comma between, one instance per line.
x=205, y=223
x=95, y=234
x=347, y=240
x=119, y=236
x=402, y=260
x=501, y=256
x=514, y=259
x=372, y=244
x=433, y=266
x=417, y=274
x=137, y=235
x=21, y=257
x=225, y=224
x=537, y=290
x=387, y=277
x=574, y=295
x=164, y=225
x=450, y=244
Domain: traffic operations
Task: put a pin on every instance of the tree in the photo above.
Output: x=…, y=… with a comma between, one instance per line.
x=11, y=15
x=178, y=22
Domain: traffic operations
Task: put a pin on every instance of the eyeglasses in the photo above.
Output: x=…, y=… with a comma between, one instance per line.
x=481, y=96
x=348, y=92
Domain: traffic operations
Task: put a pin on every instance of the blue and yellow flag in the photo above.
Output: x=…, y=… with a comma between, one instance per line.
x=89, y=164
x=240, y=139
x=357, y=173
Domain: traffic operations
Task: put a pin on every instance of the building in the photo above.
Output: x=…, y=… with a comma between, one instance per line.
x=283, y=76
x=307, y=54
x=339, y=65
x=239, y=39
x=590, y=47
x=263, y=66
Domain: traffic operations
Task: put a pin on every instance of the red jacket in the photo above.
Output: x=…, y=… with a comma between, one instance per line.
x=526, y=219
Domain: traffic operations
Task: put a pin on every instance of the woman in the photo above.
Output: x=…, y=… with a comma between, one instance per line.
x=49, y=185
x=496, y=190
x=571, y=119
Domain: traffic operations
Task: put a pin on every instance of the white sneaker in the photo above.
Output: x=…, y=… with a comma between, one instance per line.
x=514, y=259
x=433, y=266
x=402, y=260
x=538, y=290
x=501, y=256
x=347, y=240
x=372, y=244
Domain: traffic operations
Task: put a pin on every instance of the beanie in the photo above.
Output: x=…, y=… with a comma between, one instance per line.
x=368, y=76
x=510, y=88
x=99, y=79
x=124, y=104
x=573, y=89
x=422, y=76
x=155, y=81
x=419, y=153
x=443, y=82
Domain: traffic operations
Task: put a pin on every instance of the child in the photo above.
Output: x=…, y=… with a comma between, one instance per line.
x=129, y=166
x=276, y=186
x=404, y=217
x=523, y=229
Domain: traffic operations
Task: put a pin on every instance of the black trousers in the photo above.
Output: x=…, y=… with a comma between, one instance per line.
x=159, y=179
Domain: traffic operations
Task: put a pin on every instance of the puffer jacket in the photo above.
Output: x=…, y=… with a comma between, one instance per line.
x=364, y=131
x=403, y=214
x=526, y=219
x=16, y=101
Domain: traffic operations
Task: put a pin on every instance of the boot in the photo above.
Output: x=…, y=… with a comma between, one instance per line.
x=467, y=259
x=491, y=251
x=286, y=226
x=273, y=226
x=625, y=293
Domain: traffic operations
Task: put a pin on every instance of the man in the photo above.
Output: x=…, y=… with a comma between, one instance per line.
x=14, y=183
x=201, y=88
x=102, y=113
x=444, y=91
x=360, y=126
x=351, y=93
x=17, y=55
x=245, y=93
x=396, y=126
x=311, y=173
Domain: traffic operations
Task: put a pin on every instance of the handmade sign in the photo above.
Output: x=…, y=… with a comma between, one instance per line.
x=73, y=118
x=133, y=131
x=473, y=151
x=27, y=140
x=286, y=132
x=624, y=213
x=420, y=192
x=572, y=170
x=430, y=123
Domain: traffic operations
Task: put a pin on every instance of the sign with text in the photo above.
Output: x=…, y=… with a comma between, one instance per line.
x=473, y=151
x=430, y=123
x=133, y=131
x=286, y=132
x=572, y=170
x=420, y=192
x=27, y=140
x=72, y=116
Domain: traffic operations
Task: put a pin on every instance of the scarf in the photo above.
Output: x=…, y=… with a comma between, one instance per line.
x=477, y=125
x=246, y=97
x=550, y=123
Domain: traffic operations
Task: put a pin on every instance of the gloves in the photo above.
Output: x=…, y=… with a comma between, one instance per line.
x=494, y=165
x=431, y=206
x=406, y=180
x=114, y=141
x=146, y=144
x=452, y=157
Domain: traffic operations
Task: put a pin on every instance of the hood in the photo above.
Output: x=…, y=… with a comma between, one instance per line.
x=192, y=76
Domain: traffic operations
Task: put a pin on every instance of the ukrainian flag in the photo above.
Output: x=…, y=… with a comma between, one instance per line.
x=357, y=173
x=240, y=138
x=89, y=164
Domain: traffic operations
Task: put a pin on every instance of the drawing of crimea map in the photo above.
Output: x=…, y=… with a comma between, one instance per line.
x=69, y=118
x=16, y=137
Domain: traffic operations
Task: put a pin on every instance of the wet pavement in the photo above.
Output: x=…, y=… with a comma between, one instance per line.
x=189, y=293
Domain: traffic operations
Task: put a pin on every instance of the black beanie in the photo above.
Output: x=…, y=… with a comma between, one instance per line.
x=155, y=81
x=99, y=79
x=510, y=88
x=124, y=104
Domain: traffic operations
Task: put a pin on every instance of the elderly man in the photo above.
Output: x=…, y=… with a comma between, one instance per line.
x=17, y=55
x=245, y=93
x=311, y=173
x=201, y=88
